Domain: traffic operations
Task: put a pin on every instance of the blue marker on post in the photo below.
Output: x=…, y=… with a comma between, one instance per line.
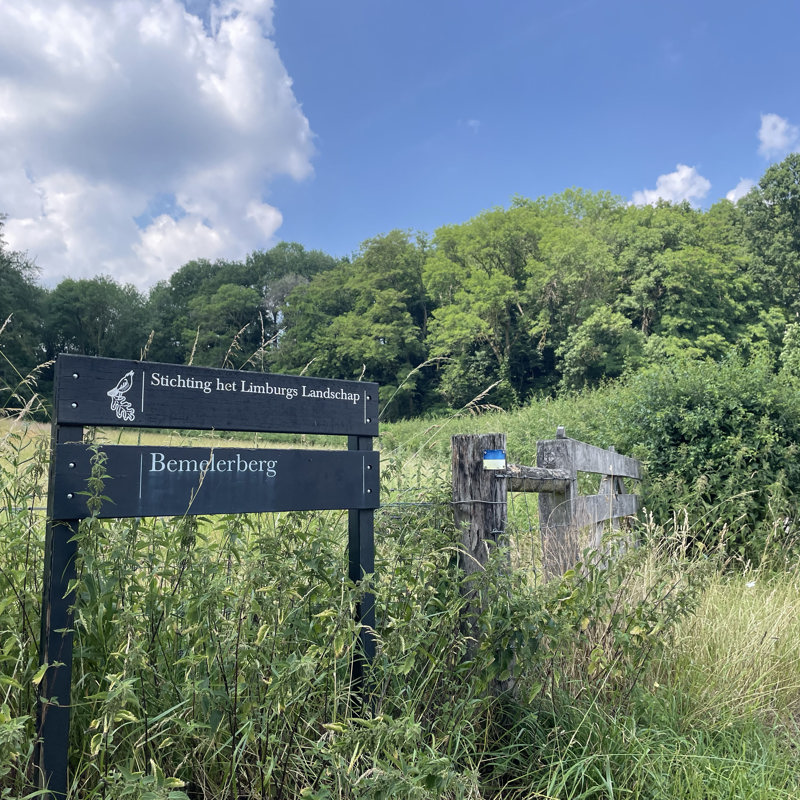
x=494, y=459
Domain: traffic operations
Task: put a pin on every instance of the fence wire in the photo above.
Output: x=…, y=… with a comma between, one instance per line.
x=522, y=534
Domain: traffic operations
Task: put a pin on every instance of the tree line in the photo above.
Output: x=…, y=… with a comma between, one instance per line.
x=557, y=293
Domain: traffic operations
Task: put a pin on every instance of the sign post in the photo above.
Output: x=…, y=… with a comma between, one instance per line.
x=171, y=481
x=361, y=553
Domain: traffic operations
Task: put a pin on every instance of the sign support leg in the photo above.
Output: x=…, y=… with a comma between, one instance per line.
x=362, y=562
x=55, y=650
x=51, y=754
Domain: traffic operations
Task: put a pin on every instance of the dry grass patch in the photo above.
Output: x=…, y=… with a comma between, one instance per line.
x=739, y=656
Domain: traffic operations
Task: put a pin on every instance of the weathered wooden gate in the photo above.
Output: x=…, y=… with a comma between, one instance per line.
x=568, y=521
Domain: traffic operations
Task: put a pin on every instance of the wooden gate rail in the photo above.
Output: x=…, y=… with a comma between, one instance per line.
x=564, y=514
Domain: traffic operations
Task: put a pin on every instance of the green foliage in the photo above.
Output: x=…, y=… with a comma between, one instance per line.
x=616, y=610
x=22, y=478
x=470, y=376
x=95, y=317
x=476, y=274
x=790, y=354
x=603, y=346
x=771, y=219
x=367, y=318
x=573, y=277
x=228, y=309
x=720, y=440
x=213, y=655
x=218, y=321
x=21, y=326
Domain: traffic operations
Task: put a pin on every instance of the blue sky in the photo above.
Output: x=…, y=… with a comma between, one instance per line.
x=137, y=135
x=426, y=113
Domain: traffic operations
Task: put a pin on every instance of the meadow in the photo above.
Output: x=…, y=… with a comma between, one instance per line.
x=212, y=654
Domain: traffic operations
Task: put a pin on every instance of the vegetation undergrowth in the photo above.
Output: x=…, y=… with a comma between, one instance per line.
x=213, y=655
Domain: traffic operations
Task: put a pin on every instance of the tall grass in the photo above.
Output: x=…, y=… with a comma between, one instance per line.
x=213, y=655
x=738, y=659
x=707, y=708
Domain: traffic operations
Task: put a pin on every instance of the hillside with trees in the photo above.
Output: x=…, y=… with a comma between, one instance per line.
x=213, y=654
x=558, y=293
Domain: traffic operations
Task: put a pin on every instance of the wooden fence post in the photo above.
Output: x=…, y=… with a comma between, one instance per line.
x=560, y=535
x=479, y=498
x=480, y=510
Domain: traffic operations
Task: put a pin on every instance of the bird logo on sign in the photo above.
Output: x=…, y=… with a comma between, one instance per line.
x=119, y=403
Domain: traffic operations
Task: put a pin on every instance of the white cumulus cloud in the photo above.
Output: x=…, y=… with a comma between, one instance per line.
x=776, y=136
x=740, y=190
x=686, y=183
x=136, y=135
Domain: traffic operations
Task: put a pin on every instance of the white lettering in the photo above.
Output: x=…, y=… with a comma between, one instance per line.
x=179, y=382
x=159, y=463
x=248, y=387
x=332, y=394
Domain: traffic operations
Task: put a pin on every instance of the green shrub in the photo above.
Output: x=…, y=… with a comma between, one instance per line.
x=720, y=440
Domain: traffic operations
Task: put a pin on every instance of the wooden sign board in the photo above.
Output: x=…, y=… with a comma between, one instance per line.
x=172, y=481
x=143, y=481
x=142, y=394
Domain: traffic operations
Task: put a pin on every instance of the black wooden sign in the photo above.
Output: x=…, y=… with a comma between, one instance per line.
x=139, y=481
x=172, y=481
x=142, y=394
